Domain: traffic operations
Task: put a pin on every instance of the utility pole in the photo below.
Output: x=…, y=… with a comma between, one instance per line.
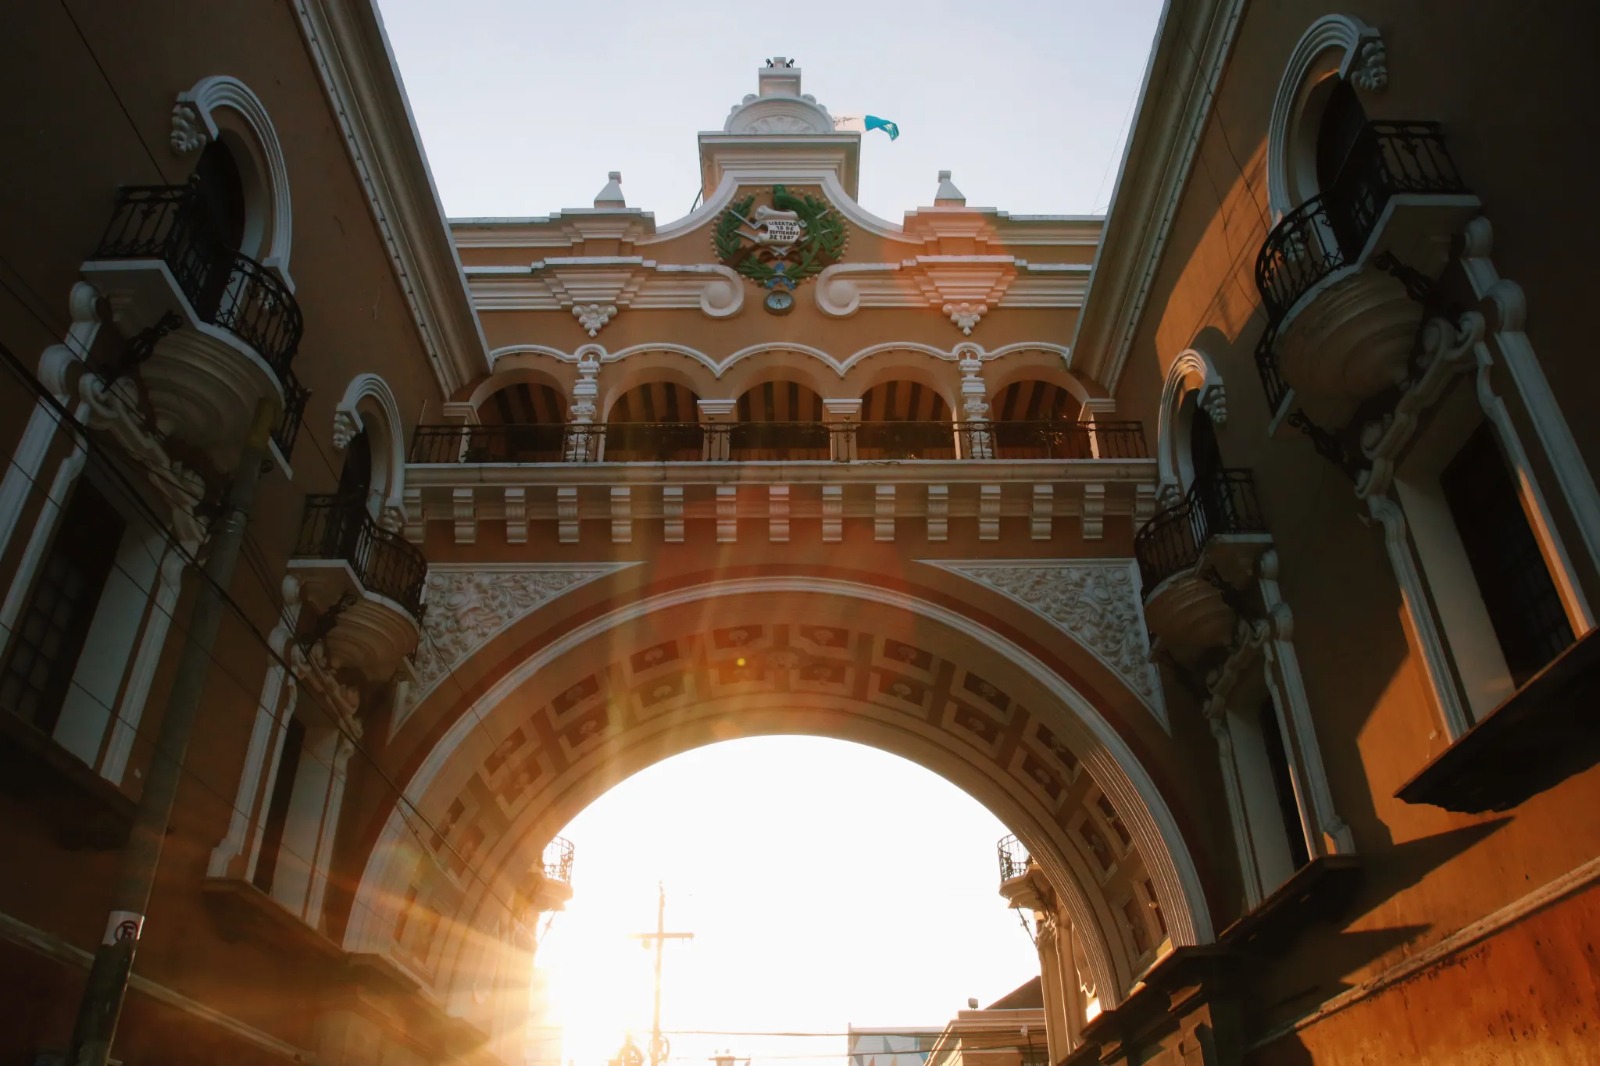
x=113, y=959
x=658, y=1043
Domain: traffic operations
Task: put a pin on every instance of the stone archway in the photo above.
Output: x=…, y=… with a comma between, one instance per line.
x=761, y=656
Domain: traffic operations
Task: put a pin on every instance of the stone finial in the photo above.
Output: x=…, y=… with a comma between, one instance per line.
x=948, y=195
x=611, y=195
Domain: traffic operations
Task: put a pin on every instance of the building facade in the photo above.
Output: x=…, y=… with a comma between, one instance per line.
x=1236, y=549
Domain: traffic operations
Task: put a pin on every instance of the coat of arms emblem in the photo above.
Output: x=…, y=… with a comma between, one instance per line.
x=780, y=245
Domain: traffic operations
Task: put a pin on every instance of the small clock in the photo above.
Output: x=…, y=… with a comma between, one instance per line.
x=780, y=302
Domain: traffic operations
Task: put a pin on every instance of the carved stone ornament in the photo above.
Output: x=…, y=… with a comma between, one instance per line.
x=593, y=317
x=966, y=315
x=346, y=427
x=1214, y=402
x=1369, y=72
x=781, y=245
x=470, y=606
x=1095, y=602
x=188, y=131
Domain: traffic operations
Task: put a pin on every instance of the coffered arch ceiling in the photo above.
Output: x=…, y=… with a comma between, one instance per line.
x=568, y=719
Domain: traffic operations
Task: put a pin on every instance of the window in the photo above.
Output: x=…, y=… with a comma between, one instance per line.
x=1283, y=784
x=278, y=807
x=51, y=630
x=1519, y=596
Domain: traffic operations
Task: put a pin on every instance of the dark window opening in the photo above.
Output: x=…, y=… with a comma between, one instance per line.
x=355, y=478
x=1283, y=784
x=278, y=807
x=1343, y=119
x=51, y=632
x=1518, y=592
x=216, y=176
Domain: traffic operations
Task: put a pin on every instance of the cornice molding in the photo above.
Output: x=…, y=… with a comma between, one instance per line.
x=351, y=53
x=1192, y=47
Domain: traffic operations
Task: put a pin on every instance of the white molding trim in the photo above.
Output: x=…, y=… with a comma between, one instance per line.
x=1191, y=49
x=202, y=101
x=1064, y=375
x=1192, y=371
x=1538, y=399
x=351, y=54
x=1359, y=57
x=369, y=396
x=1418, y=616
x=1112, y=765
x=574, y=282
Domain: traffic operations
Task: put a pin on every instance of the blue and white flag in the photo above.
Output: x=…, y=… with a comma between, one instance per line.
x=865, y=124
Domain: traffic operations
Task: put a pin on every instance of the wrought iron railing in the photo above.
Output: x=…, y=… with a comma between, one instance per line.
x=339, y=527
x=1013, y=857
x=1223, y=502
x=295, y=398
x=1329, y=231
x=656, y=442
x=557, y=860
x=224, y=287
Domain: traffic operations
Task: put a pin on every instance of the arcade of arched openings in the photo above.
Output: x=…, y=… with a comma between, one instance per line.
x=1236, y=549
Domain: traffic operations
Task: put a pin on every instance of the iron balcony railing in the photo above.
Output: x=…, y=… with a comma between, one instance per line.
x=557, y=860
x=659, y=442
x=1329, y=231
x=1013, y=857
x=339, y=527
x=1223, y=502
x=226, y=288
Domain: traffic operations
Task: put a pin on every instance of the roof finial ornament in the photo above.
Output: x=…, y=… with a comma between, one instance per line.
x=948, y=195
x=611, y=195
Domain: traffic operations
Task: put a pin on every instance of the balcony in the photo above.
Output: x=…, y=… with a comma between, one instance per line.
x=221, y=329
x=1343, y=277
x=1194, y=554
x=786, y=442
x=363, y=584
x=1021, y=882
x=549, y=885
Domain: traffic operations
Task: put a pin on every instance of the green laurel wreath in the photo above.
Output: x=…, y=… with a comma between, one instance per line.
x=822, y=246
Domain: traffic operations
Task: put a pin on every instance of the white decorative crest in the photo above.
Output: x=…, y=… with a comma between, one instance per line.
x=471, y=604
x=966, y=315
x=1093, y=601
x=188, y=129
x=593, y=317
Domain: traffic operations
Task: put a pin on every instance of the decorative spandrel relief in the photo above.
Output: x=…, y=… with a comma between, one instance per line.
x=1095, y=602
x=469, y=606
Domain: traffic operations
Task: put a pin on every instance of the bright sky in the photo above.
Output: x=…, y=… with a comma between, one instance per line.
x=523, y=107
x=827, y=884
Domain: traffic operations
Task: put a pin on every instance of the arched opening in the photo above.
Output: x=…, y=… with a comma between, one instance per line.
x=526, y=421
x=783, y=855
x=1038, y=419
x=656, y=422
x=778, y=420
x=553, y=728
x=904, y=420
